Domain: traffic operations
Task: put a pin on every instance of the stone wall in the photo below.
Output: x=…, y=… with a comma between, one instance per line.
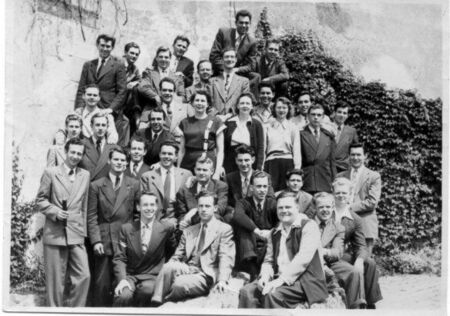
x=399, y=44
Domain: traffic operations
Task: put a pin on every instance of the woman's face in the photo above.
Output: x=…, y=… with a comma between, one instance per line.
x=341, y=194
x=200, y=103
x=281, y=110
x=245, y=105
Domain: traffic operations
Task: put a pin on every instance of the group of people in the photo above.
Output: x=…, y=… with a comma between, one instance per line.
x=161, y=187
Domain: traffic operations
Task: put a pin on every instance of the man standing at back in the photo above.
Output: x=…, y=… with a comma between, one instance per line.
x=180, y=65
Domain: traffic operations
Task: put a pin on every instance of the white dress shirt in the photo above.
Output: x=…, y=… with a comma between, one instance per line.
x=113, y=179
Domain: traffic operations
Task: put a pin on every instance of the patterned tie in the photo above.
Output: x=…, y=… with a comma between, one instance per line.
x=201, y=240
x=322, y=227
x=227, y=82
x=135, y=169
x=117, y=183
x=245, y=187
x=99, y=146
x=145, y=233
x=155, y=136
x=339, y=130
x=101, y=66
x=167, y=185
x=259, y=207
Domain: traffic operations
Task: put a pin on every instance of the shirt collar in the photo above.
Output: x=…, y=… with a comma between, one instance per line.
x=67, y=169
x=113, y=177
x=261, y=203
x=312, y=129
x=283, y=124
x=95, y=139
x=248, y=176
x=296, y=223
x=150, y=224
x=85, y=113
x=106, y=59
x=236, y=119
x=139, y=164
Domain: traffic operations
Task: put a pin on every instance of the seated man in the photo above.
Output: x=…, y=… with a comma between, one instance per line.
x=294, y=182
x=253, y=219
x=143, y=247
x=203, y=258
x=292, y=270
x=204, y=70
x=137, y=166
x=187, y=213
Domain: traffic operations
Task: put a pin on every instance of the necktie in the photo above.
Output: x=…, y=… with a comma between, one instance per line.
x=317, y=135
x=99, y=146
x=71, y=172
x=227, y=82
x=135, y=169
x=155, y=136
x=117, y=183
x=101, y=66
x=201, y=239
x=167, y=184
x=339, y=130
x=145, y=236
x=238, y=42
x=71, y=175
x=259, y=208
x=322, y=227
x=245, y=187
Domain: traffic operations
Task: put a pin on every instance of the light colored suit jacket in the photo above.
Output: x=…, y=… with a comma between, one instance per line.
x=218, y=253
x=54, y=189
x=222, y=102
x=367, y=192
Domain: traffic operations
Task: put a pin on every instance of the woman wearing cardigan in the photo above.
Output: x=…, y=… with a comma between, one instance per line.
x=243, y=129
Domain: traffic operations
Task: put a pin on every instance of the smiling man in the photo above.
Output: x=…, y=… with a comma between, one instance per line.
x=294, y=182
x=203, y=259
x=143, y=247
x=179, y=64
x=204, y=70
x=138, y=149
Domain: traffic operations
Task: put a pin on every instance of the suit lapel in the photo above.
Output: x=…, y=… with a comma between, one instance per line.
x=108, y=192
x=220, y=86
x=344, y=134
x=155, y=238
x=63, y=178
x=77, y=184
x=93, y=68
x=123, y=193
x=106, y=68
x=322, y=144
x=210, y=235
x=361, y=179
x=156, y=79
x=310, y=139
x=179, y=175
x=233, y=85
x=191, y=235
x=135, y=237
x=157, y=180
x=328, y=234
x=91, y=152
x=276, y=244
x=102, y=161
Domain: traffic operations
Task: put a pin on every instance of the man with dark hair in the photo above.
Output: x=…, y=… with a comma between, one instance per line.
x=238, y=39
x=62, y=198
x=253, y=219
x=318, y=149
x=294, y=182
x=346, y=135
x=143, y=247
x=111, y=204
x=263, y=111
x=204, y=70
x=179, y=64
x=137, y=166
x=204, y=257
x=109, y=74
x=165, y=179
x=96, y=149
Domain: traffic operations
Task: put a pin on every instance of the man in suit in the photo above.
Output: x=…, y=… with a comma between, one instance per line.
x=109, y=74
x=187, y=206
x=62, y=198
x=227, y=87
x=165, y=179
x=239, y=181
x=111, y=204
x=317, y=148
x=204, y=257
x=137, y=166
x=294, y=182
x=366, y=192
x=143, y=247
x=96, y=149
x=253, y=219
x=292, y=270
x=269, y=68
x=264, y=110
x=238, y=39
x=179, y=64
x=149, y=89
x=204, y=70
x=346, y=135
x=155, y=135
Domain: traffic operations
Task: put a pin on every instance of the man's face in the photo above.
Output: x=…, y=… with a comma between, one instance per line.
x=74, y=155
x=325, y=207
x=287, y=210
x=260, y=188
x=156, y=121
x=73, y=128
x=295, y=183
x=229, y=59
x=118, y=162
x=206, y=208
x=179, y=48
x=91, y=97
x=99, y=127
x=272, y=51
x=137, y=151
x=167, y=91
x=357, y=157
x=132, y=55
x=341, y=194
x=203, y=172
x=163, y=59
x=243, y=24
x=147, y=206
x=167, y=156
x=341, y=115
x=304, y=103
x=205, y=71
x=244, y=162
x=315, y=117
x=265, y=96
x=104, y=48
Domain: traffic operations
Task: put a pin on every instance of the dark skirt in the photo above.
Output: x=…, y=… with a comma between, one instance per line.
x=277, y=168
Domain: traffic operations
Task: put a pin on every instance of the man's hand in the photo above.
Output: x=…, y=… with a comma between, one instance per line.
x=272, y=286
x=189, y=182
x=262, y=282
x=265, y=80
x=220, y=286
x=158, y=100
x=261, y=233
x=179, y=73
x=98, y=249
x=62, y=215
x=181, y=267
x=119, y=288
x=359, y=266
x=186, y=221
x=107, y=111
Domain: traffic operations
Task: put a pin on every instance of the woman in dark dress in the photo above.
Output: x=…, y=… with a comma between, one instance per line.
x=243, y=129
x=201, y=135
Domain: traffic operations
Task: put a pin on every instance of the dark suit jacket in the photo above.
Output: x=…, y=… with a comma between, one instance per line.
x=111, y=81
x=333, y=239
x=256, y=141
x=233, y=179
x=348, y=136
x=226, y=37
x=245, y=210
x=144, y=168
x=108, y=210
x=222, y=102
x=354, y=240
x=130, y=262
x=276, y=73
x=96, y=164
x=186, y=66
x=318, y=162
x=152, y=155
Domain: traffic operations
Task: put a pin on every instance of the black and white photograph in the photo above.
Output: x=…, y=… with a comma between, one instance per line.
x=225, y=157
